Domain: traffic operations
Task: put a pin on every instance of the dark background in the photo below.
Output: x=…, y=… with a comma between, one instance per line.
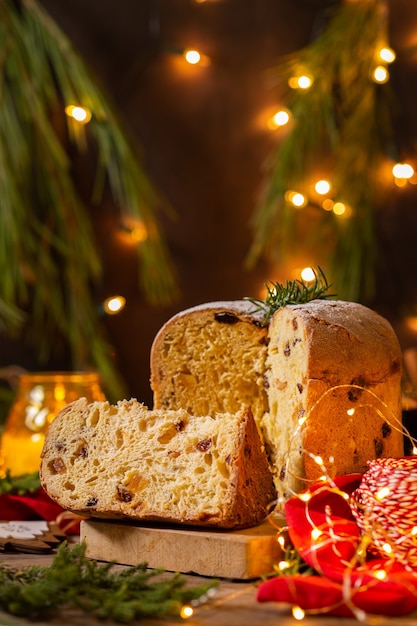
x=203, y=142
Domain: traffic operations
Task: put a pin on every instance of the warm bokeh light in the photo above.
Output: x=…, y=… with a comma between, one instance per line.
x=387, y=54
x=327, y=204
x=114, y=305
x=380, y=74
x=403, y=170
x=186, y=612
x=296, y=199
x=300, y=82
x=78, y=113
x=307, y=274
x=339, y=208
x=192, y=56
x=298, y=613
x=322, y=187
x=281, y=118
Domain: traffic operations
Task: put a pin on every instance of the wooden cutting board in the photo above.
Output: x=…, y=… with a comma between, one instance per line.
x=238, y=554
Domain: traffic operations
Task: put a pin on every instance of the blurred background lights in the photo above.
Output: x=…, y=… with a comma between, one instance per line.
x=327, y=204
x=192, y=56
x=296, y=199
x=322, y=187
x=387, y=55
x=307, y=274
x=403, y=170
x=281, y=118
x=339, y=208
x=114, y=304
x=78, y=113
x=380, y=74
x=300, y=82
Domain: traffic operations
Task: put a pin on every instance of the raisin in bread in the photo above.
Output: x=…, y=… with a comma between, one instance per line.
x=211, y=359
x=318, y=360
x=126, y=461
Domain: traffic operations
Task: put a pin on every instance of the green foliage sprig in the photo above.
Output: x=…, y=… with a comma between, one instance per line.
x=20, y=485
x=49, y=261
x=75, y=582
x=341, y=126
x=291, y=292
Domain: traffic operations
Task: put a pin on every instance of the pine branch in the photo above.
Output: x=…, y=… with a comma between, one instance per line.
x=49, y=262
x=75, y=582
x=342, y=125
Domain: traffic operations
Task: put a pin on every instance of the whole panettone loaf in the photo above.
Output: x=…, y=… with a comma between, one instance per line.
x=323, y=379
x=210, y=359
x=125, y=461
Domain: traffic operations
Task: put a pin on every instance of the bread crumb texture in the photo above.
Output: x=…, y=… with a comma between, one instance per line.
x=126, y=461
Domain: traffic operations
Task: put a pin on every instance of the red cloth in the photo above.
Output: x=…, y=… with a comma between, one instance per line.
x=28, y=507
x=342, y=585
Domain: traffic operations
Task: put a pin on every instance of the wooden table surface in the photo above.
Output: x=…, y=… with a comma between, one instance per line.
x=234, y=604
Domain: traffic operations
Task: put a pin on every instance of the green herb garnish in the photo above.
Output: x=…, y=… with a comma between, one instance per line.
x=19, y=485
x=292, y=292
x=74, y=581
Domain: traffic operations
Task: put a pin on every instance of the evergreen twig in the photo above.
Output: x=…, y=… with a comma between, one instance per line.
x=292, y=292
x=75, y=582
x=19, y=485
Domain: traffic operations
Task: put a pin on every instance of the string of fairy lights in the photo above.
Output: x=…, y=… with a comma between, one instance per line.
x=381, y=507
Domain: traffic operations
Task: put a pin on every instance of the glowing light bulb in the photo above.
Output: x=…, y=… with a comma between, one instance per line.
x=304, y=82
x=380, y=74
x=316, y=533
x=403, y=170
x=327, y=204
x=339, y=208
x=305, y=497
x=296, y=199
x=282, y=565
x=301, y=81
x=114, y=304
x=318, y=460
x=350, y=411
x=322, y=187
x=387, y=54
x=298, y=613
x=192, y=56
x=186, y=612
x=387, y=548
x=414, y=530
x=78, y=113
x=380, y=574
x=281, y=118
x=307, y=274
x=382, y=493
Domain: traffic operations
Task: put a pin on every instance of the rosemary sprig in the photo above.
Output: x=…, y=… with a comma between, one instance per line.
x=74, y=581
x=19, y=485
x=292, y=292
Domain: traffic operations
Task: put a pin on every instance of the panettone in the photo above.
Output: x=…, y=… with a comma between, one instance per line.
x=323, y=380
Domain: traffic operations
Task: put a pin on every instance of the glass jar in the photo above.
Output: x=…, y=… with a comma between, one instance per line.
x=39, y=398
